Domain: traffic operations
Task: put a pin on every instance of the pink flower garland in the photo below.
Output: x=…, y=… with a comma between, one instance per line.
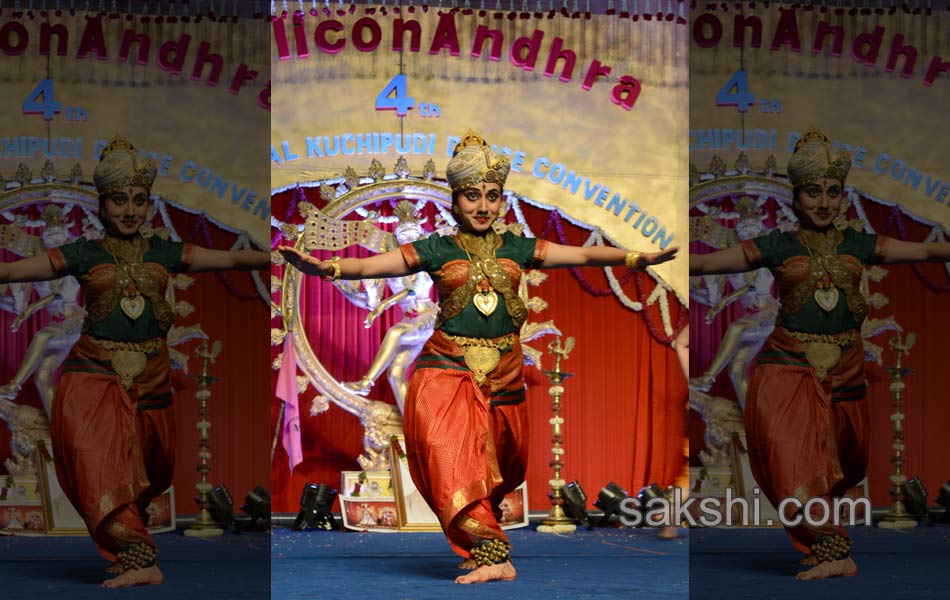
x=896, y=219
x=554, y=221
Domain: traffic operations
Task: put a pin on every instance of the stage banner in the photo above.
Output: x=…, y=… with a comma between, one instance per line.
x=191, y=92
x=592, y=110
x=876, y=81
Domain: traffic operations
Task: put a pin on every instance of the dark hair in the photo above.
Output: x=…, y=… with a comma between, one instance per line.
x=796, y=190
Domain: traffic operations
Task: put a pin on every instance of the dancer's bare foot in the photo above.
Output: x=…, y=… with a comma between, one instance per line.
x=845, y=567
x=668, y=533
x=132, y=577
x=503, y=572
x=468, y=564
x=809, y=561
x=115, y=568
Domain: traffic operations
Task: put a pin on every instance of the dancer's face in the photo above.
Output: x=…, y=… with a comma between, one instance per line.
x=817, y=204
x=477, y=207
x=124, y=211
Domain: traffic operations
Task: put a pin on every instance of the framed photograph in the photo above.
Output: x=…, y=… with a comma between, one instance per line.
x=414, y=514
x=745, y=486
x=367, y=484
x=369, y=514
x=857, y=493
x=61, y=518
x=22, y=520
x=514, y=508
x=20, y=490
x=161, y=512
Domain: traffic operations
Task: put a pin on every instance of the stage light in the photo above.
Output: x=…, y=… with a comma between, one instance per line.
x=257, y=504
x=943, y=498
x=649, y=493
x=608, y=500
x=915, y=498
x=575, y=502
x=315, y=503
x=222, y=507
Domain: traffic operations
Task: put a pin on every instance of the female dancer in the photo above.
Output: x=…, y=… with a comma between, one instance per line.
x=465, y=421
x=112, y=424
x=805, y=415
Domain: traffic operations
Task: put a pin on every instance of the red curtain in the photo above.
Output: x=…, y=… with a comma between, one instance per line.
x=228, y=309
x=918, y=299
x=624, y=408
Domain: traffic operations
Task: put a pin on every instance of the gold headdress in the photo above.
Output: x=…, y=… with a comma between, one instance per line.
x=474, y=162
x=119, y=168
x=813, y=159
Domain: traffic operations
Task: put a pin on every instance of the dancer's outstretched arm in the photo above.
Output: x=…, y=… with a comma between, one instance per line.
x=600, y=256
x=899, y=252
x=389, y=264
x=205, y=259
x=730, y=260
x=35, y=268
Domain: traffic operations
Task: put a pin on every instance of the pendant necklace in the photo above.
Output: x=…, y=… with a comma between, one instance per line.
x=826, y=293
x=485, y=297
x=129, y=266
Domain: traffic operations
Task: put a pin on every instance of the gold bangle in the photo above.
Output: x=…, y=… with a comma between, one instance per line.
x=337, y=269
x=633, y=260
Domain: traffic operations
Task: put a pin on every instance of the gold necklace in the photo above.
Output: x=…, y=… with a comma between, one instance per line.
x=822, y=247
x=482, y=266
x=484, y=298
x=130, y=269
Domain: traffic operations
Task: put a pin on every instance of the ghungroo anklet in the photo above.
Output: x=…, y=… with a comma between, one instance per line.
x=137, y=556
x=490, y=552
x=831, y=547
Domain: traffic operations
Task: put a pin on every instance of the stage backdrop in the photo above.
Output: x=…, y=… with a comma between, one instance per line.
x=599, y=133
x=189, y=93
x=876, y=82
x=612, y=157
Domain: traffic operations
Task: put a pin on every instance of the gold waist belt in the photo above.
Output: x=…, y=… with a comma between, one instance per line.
x=823, y=350
x=129, y=359
x=482, y=355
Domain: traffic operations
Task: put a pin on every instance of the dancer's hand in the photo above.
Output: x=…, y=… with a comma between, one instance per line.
x=656, y=258
x=305, y=263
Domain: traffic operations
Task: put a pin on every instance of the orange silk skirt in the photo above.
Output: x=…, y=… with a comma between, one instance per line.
x=802, y=442
x=464, y=454
x=113, y=448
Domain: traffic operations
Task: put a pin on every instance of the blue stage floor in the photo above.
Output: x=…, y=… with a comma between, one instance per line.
x=761, y=564
x=230, y=567
x=604, y=563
